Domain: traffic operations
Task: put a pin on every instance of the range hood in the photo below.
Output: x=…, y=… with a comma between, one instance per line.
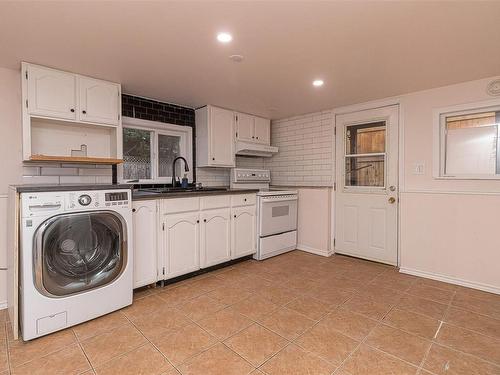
x=255, y=149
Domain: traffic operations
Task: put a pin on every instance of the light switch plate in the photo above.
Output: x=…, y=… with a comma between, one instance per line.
x=418, y=168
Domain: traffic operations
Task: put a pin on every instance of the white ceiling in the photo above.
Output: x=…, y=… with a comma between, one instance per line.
x=168, y=50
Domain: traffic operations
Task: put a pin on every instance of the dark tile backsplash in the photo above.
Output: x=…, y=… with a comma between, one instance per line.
x=152, y=110
x=147, y=109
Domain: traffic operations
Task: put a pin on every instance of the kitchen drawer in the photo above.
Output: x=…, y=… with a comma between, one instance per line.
x=218, y=201
x=170, y=206
x=243, y=199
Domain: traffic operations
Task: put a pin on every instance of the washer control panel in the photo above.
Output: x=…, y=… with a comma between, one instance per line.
x=97, y=199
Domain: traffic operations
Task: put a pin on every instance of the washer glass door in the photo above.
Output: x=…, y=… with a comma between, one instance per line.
x=79, y=251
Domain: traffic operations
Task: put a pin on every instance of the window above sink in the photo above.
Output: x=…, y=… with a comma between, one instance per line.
x=149, y=149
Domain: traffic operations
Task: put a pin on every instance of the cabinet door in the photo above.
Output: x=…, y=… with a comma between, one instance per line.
x=182, y=247
x=215, y=237
x=243, y=231
x=263, y=130
x=51, y=93
x=245, y=127
x=221, y=134
x=144, y=220
x=99, y=101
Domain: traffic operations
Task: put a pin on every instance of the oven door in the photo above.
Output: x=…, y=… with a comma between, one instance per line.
x=278, y=214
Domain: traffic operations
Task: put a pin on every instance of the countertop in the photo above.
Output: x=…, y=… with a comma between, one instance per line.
x=140, y=195
x=292, y=187
x=68, y=187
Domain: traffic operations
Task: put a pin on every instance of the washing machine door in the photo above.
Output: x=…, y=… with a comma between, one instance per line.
x=76, y=252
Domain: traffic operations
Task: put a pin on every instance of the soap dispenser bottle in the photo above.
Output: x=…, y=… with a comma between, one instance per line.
x=184, y=181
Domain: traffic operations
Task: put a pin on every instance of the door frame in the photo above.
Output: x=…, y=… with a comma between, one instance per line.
x=401, y=183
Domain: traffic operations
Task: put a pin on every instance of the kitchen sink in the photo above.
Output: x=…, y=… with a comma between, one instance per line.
x=166, y=190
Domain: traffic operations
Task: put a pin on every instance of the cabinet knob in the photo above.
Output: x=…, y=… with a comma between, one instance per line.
x=245, y=200
x=253, y=136
x=197, y=221
x=213, y=158
x=72, y=110
x=235, y=216
x=204, y=220
x=133, y=210
x=257, y=137
x=84, y=112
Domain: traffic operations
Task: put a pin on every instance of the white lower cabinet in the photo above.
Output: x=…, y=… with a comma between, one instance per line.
x=181, y=244
x=145, y=222
x=215, y=237
x=202, y=232
x=243, y=222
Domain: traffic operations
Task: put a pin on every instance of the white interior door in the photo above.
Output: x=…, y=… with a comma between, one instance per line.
x=366, y=200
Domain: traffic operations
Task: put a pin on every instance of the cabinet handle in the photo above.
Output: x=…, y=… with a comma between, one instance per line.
x=84, y=112
x=72, y=110
x=133, y=210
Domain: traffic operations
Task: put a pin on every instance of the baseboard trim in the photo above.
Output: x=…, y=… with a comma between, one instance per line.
x=3, y=305
x=313, y=250
x=452, y=280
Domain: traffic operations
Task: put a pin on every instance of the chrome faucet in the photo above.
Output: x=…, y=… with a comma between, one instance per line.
x=186, y=169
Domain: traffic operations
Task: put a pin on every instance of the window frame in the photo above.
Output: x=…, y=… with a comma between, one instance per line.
x=156, y=129
x=439, y=152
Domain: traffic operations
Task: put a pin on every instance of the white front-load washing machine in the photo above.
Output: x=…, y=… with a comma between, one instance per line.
x=75, y=257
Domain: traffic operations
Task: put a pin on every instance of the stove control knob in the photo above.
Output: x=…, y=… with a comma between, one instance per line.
x=84, y=200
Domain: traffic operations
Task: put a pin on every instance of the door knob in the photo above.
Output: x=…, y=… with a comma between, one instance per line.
x=392, y=200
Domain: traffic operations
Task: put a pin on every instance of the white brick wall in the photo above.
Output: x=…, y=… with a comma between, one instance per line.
x=305, y=154
x=220, y=176
x=66, y=174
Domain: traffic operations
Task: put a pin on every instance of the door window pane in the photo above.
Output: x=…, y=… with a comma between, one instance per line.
x=471, y=146
x=365, y=138
x=169, y=147
x=136, y=154
x=365, y=171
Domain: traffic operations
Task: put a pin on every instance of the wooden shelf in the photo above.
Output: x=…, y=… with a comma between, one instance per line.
x=75, y=159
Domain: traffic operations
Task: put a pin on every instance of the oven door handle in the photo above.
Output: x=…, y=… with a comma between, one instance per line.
x=281, y=199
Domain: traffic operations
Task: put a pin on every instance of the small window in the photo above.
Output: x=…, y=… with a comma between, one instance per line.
x=365, y=155
x=150, y=148
x=470, y=144
x=137, y=154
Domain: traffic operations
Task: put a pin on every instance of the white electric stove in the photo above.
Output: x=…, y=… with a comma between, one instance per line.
x=276, y=212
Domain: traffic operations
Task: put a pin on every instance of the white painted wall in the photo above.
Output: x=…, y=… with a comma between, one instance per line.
x=10, y=155
x=448, y=227
x=314, y=227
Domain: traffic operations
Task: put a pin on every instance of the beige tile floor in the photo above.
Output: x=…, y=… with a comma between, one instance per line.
x=293, y=314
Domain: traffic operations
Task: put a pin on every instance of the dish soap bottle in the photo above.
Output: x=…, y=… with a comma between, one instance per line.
x=184, y=181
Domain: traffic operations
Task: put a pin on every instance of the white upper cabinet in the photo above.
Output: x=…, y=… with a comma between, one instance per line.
x=215, y=237
x=245, y=127
x=215, y=128
x=253, y=129
x=99, y=101
x=262, y=130
x=51, y=93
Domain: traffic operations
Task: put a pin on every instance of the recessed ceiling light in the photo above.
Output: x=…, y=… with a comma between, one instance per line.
x=224, y=37
x=318, y=82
